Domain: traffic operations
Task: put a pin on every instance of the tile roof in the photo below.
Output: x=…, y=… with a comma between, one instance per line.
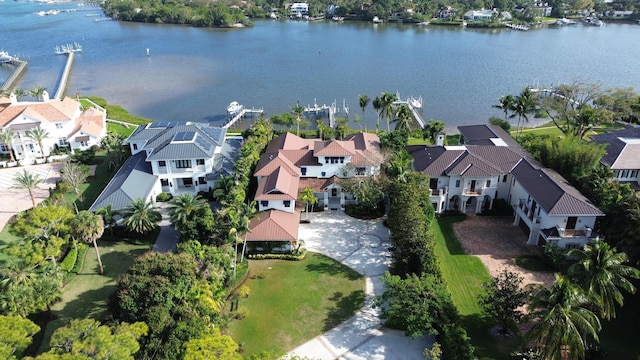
x=468, y=164
x=554, y=194
x=50, y=111
x=316, y=184
x=279, y=185
x=274, y=225
x=268, y=163
x=616, y=146
x=91, y=121
x=433, y=160
x=288, y=141
x=486, y=134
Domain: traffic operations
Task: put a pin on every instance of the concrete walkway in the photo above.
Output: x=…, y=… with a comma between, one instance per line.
x=361, y=245
x=168, y=238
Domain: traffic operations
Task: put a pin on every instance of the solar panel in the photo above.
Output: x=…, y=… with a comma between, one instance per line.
x=184, y=136
x=214, y=132
x=203, y=143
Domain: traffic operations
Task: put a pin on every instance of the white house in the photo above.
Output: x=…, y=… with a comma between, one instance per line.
x=482, y=14
x=65, y=122
x=622, y=148
x=299, y=9
x=490, y=165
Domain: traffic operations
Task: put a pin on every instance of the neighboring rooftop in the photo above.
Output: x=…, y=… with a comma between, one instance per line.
x=622, y=148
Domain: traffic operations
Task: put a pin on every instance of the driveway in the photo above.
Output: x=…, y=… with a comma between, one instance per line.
x=16, y=200
x=361, y=245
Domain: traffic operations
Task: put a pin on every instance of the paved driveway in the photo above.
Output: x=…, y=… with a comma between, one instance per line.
x=361, y=245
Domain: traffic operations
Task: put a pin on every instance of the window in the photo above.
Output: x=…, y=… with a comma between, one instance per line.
x=616, y=173
x=58, y=125
x=625, y=173
x=31, y=148
x=183, y=164
x=303, y=171
x=84, y=143
x=200, y=162
x=3, y=148
x=504, y=178
x=488, y=184
x=202, y=180
x=187, y=182
x=135, y=146
x=264, y=203
x=634, y=174
x=361, y=171
x=572, y=246
x=62, y=141
x=457, y=183
x=287, y=203
x=164, y=182
x=324, y=173
x=162, y=163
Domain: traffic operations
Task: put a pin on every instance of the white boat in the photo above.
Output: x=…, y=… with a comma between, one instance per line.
x=337, y=18
x=424, y=23
x=565, y=21
x=234, y=108
x=5, y=57
x=41, y=13
x=67, y=49
x=52, y=12
x=376, y=20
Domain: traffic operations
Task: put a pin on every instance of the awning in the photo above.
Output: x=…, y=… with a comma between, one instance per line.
x=82, y=138
x=18, y=127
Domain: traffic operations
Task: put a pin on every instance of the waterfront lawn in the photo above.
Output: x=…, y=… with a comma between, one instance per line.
x=295, y=302
x=465, y=275
x=121, y=129
x=86, y=295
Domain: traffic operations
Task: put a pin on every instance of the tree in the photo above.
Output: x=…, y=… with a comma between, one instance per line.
x=87, y=337
x=399, y=166
x=75, y=174
x=88, y=227
x=108, y=214
x=222, y=189
x=28, y=181
x=212, y=346
x=503, y=298
x=37, y=92
x=140, y=216
x=403, y=117
x=387, y=105
x=38, y=134
x=506, y=104
x=309, y=198
x=363, y=101
x=377, y=105
x=192, y=216
x=112, y=143
x=564, y=320
x=28, y=289
x=432, y=129
x=523, y=105
x=6, y=137
x=394, y=141
x=285, y=120
x=298, y=114
x=600, y=270
x=19, y=93
x=15, y=336
x=504, y=124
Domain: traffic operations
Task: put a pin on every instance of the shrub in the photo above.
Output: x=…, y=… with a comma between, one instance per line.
x=85, y=157
x=365, y=212
x=163, y=197
x=299, y=256
x=241, y=313
x=244, y=291
x=70, y=260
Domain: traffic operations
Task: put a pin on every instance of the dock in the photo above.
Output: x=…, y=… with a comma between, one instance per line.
x=241, y=114
x=330, y=110
x=21, y=66
x=517, y=27
x=415, y=105
x=64, y=79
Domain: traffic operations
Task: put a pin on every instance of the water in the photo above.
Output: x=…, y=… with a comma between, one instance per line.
x=193, y=74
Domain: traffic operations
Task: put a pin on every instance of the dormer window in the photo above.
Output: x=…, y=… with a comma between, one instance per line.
x=287, y=203
x=303, y=171
x=135, y=146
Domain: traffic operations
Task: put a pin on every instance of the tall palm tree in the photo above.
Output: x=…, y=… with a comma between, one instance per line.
x=399, y=166
x=600, y=270
x=108, y=214
x=140, y=216
x=6, y=137
x=523, y=105
x=28, y=181
x=38, y=134
x=564, y=319
x=309, y=198
x=298, y=113
x=403, y=117
x=222, y=188
x=431, y=130
x=377, y=105
x=363, y=100
x=183, y=209
x=240, y=214
x=387, y=109
x=88, y=227
x=37, y=92
x=506, y=103
x=19, y=93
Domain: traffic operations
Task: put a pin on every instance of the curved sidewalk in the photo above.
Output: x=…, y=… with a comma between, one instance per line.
x=361, y=245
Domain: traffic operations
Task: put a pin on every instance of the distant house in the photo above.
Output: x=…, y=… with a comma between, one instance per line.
x=446, y=13
x=618, y=14
x=291, y=164
x=482, y=14
x=622, y=149
x=489, y=165
x=66, y=123
x=543, y=9
x=173, y=157
x=299, y=9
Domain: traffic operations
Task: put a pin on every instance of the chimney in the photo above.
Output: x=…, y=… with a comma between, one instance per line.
x=440, y=139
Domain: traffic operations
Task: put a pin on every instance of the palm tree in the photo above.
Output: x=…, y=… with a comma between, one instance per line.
x=600, y=271
x=28, y=181
x=88, y=227
x=37, y=92
x=240, y=214
x=38, y=134
x=309, y=198
x=108, y=214
x=431, y=130
x=298, y=113
x=184, y=208
x=377, y=105
x=399, y=166
x=564, y=319
x=363, y=100
x=506, y=103
x=387, y=108
x=140, y=216
x=19, y=93
x=522, y=105
x=403, y=118
x=222, y=188
x=6, y=137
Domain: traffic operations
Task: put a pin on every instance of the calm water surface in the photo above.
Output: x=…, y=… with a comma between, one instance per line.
x=193, y=74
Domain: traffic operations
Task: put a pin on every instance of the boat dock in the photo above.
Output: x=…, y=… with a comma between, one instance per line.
x=330, y=110
x=64, y=79
x=415, y=105
x=517, y=27
x=21, y=66
x=242, y=114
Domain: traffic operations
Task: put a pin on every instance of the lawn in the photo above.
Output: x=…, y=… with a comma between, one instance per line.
x=464, y=275
x=122, y=129
x=295, y=302
x=87, y=294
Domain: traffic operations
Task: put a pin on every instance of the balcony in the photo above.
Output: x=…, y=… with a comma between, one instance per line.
x=557, y=233
x=525, y=212
x=438, y=192
x=478, y=191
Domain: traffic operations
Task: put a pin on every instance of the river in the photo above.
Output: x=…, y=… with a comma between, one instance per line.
x=192, y=74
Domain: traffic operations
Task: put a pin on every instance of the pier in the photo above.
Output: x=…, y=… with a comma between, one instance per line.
x=64, y=79
x=517, y=27
x=241, y=114
x=330, y=110
x=21, y=66
x=415, y=105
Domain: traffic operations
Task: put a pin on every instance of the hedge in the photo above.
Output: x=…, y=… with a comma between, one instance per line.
x=299, y=256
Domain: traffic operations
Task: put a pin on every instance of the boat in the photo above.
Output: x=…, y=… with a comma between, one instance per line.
x=5, y=58
x=565, y=21
x=338, y=18
x=593, y=21
x=52, y=12
x=67, y=49
x=234, y=108
x=376, y=20
x=41, y=13
x=424, y=23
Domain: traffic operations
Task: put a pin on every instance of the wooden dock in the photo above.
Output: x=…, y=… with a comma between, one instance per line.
x=64, y=79
x=241, y=115
x=414, y=104
x=21, y=66
x=517, y=27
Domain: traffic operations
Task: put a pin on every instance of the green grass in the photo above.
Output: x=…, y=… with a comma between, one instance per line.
x=295, y=302
x=6, y=238
x=119, y=128
x=87, y=294
x=465, y=275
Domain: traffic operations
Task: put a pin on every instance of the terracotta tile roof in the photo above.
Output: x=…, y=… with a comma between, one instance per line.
x=334, y=148
x=288, y=141
x=51, y=111
x=269, y=162
x=300, y=157
x=279, y=185
x=91, y=121
x=316, y=184
x=274, y=225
